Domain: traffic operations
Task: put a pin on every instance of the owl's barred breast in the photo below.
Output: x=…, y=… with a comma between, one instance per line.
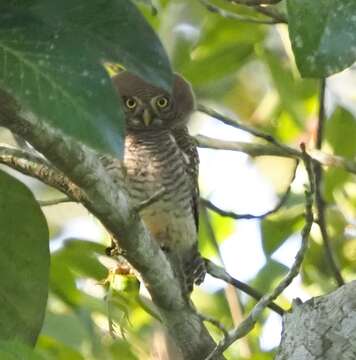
x=154, y=161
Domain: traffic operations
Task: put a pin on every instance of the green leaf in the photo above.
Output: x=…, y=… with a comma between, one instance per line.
x=266, y=277
x=80, y=256
x=341, y=123
x=278, y=228
x=24, y=262
x=323, y=35
x=116, y=30
x=51, y=61
x=14, y=350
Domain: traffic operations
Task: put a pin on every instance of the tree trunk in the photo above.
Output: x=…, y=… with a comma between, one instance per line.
x=323, y=328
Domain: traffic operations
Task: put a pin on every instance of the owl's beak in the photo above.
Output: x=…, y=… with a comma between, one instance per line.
x=146, y=117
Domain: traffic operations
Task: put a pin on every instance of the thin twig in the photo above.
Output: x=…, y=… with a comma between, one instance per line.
x=255, y=2
x=51, y=202
x=251, y=149
x=319, y=199
x=239, y=125
x=272, y=13
x=271, y=149
x=35, y=166
x=247, y=325
x=220, y=273
x=151, y=200
x=230, y=15
x=231, y=294
x=215, y=322
x=260, y=6
x=207, y=203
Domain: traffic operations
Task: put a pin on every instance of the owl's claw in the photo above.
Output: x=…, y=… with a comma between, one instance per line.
x=194, y=271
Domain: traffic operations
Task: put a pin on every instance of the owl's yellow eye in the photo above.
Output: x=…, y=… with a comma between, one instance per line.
x=130, y=103
x=162, y=102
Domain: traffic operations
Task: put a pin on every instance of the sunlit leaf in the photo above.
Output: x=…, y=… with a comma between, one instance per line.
x=24, y=262
x=81, y=257
x=323, y=35
x=266, y=277
x=278, y=228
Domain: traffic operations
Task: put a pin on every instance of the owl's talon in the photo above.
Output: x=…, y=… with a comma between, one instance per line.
x=165, y=249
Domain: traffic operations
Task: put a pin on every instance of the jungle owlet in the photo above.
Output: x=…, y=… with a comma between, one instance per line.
x=160, y=154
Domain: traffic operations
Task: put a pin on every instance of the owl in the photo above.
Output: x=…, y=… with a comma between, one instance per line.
x=159, y=156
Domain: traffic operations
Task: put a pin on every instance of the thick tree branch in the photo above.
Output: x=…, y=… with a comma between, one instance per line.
x=319, y=199
x=248, y=324
x=111, y=205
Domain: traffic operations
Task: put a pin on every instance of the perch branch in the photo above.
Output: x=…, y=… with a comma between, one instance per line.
x=220, y=273
x=319, y=199
x=247, y=325
x=110, y=203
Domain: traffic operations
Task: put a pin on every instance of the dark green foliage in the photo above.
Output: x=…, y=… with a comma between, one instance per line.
x=24, y=262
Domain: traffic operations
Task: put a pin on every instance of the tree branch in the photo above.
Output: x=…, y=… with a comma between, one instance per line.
x=255, y=2
x=230, y=15
x=232, y=296
x=274, y=148
x=260, y=6
x=272, y=13
x=248, y=324
x=35, y=166
x=207, y=203
x=319, y=199
x=110, y=203
x=220, y=273
x=52, y=202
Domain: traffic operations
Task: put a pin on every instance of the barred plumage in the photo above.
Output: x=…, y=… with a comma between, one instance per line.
x=159, y=153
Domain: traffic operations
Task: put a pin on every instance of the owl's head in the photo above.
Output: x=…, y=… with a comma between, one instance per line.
x=148, y=107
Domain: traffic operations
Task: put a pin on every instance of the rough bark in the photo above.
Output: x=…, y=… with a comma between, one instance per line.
x=323, y=328
x=111, y=205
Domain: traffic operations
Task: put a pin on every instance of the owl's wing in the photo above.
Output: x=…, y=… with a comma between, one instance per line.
x=188, y=146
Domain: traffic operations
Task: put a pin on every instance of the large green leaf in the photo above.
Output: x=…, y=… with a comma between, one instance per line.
x=14, y=350
x=24, y=262
x=51, y=60
x=323, y=35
